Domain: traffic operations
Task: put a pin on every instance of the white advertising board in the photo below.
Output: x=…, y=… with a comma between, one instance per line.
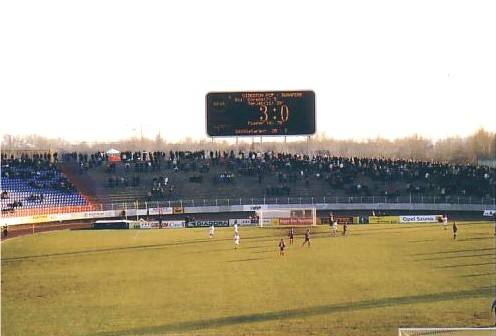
x=135, y=212
x=101, y=214
x=160, y=211
x=242, y=222
x=419, y=219
x=489, y=213
x=173, y=224
x=254, y=207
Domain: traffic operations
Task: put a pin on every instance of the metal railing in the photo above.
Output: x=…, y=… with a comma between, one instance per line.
x=413, y=199
x=490, y=203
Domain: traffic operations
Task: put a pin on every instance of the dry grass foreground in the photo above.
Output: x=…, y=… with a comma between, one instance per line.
x=178, y=282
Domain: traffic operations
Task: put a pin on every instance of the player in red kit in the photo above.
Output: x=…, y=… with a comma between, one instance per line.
x=345, y=228
x=291, y=235
x=282, y=246
x=307, y=238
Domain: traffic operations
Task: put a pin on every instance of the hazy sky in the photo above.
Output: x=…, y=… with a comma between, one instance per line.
x=97, y=70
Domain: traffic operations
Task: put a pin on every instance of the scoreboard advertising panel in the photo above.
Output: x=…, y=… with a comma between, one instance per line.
x=260, y=113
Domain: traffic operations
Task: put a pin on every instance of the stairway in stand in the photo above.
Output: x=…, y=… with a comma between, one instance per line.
x=83, y=182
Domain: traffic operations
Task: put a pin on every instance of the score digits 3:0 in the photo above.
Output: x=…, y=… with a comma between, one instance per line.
x=279, y=114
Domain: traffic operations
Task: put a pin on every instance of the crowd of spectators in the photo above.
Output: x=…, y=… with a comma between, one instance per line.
x=224, y=178
x=39, y=171
x=30, y=179
x=10, y=207
x=279, y=172
x=161, y=188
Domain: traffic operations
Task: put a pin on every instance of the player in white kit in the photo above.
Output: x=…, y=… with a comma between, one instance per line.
x=334, y=228
x=211, y=231
x=236, y=240
x=445, y=222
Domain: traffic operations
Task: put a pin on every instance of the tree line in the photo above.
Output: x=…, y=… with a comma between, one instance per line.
x=477, y=147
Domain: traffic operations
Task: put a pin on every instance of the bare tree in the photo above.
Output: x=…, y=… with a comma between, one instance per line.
x=479, y=146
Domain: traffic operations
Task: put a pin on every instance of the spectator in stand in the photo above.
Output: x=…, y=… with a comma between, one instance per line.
x=282, y=172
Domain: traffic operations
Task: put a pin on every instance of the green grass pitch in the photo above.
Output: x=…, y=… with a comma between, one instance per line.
x=178, y=282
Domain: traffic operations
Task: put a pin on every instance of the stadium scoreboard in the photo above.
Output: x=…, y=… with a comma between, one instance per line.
x=260, y=113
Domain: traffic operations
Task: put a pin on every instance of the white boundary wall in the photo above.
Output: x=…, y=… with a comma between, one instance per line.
x=59, y=217
x=241, y=208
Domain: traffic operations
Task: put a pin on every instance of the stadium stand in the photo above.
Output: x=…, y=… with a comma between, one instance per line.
x=152, y=176
x=33, y=185
x=45, y=183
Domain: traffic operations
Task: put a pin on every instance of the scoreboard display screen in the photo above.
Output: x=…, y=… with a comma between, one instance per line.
x=260, y=113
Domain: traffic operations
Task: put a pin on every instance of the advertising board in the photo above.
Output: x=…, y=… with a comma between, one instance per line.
x=242, y=222
x=420, y=219
x=489, y=213
x=295, y=221
x=160, y=211
x=254, y=207
x=177, y=210
x=173, y=224
x=344, y=219
x=207, y=223
x=383, y=220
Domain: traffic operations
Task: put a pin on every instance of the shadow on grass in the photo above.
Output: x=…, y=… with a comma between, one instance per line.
x=458, y=256
x=232, y=248
x=395, y=228
x=476, y=275
x=249, y=259
x=476, y=238
x=256, y=247
x=368, y=231
x=275, y=250
x=256, y=239
x=456, y=251
x=302, y=312
x=129, y=248
x=467, y=265
x=210, y=251
x=421, y=241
